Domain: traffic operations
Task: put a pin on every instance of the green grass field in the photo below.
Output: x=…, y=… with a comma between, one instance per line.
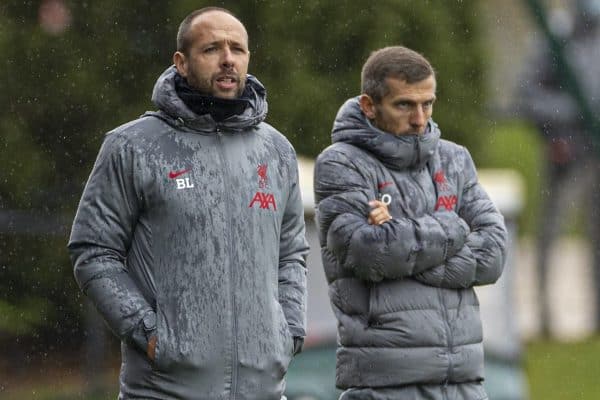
x=558, y=371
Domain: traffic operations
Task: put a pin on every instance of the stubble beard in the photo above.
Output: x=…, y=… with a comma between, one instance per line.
x=208, y=86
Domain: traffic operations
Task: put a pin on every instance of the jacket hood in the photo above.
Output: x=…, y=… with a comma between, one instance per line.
x=396, y=152
x=165, y=97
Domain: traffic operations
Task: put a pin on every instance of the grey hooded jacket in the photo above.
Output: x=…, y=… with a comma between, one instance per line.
x=402, y=291
x=194, y=231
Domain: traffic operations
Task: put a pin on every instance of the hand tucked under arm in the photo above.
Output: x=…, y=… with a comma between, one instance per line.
x=398, y=248
x=457, y=272
x=379, y=213
x=480, y=261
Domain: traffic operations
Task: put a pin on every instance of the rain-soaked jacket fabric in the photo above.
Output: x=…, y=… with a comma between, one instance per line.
x=194, y=231
x=408, y=317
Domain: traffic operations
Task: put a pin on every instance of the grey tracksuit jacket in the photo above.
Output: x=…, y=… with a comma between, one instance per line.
x=194, y=231
x=408, y=317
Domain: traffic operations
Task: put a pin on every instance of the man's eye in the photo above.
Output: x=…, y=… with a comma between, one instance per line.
x=210, y=49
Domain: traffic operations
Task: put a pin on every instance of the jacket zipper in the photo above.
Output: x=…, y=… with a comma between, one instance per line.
x=234, y=354
x=412, y=174
x=370, y=319
x=417, y=151
x=450, y=342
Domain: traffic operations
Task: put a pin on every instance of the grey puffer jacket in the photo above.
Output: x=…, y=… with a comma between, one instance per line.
x=194, y=231
x=402, y=291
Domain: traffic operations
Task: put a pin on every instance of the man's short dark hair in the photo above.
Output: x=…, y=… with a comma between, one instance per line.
x=183, y=39
x=392, y=62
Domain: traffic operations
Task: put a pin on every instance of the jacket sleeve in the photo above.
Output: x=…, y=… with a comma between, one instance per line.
x=481, y=260
x=293, y=249
x=400, y=247
x=100, y=239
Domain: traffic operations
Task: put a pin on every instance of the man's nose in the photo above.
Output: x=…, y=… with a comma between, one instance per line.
x=418, y=117
x=227, y=57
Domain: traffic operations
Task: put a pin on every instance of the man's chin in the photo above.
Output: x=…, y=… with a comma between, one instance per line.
x=229, y=94
x=226, y=96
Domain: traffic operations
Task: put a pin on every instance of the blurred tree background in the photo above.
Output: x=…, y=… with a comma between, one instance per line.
x=73, y=70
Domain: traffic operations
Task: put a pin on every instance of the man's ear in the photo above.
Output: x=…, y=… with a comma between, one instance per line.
x=180, y=62
x=367, y=105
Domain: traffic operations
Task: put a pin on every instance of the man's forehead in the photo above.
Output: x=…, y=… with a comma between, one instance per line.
x=221, y=22
x=399, y=80
x=399, y=85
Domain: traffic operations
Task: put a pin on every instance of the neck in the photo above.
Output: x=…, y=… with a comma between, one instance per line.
x=202, y=103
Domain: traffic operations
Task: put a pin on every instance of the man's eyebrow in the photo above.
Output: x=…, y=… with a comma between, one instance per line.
x=236, y=43
x=223, y=41
x=397, y=101
x=410, y=101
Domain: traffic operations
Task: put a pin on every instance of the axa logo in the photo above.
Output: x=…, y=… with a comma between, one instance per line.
x=264, y=200
x=180, y=181
x=448, y=202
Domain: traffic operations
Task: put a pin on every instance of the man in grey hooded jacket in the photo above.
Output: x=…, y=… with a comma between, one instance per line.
x=406, y=232
x=189, y=236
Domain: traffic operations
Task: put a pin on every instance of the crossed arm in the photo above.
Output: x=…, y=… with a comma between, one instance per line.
x=439, y=249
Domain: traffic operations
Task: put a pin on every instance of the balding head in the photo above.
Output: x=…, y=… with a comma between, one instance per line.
x=185, y=36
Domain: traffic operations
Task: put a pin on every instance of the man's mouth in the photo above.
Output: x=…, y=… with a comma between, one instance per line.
x=227, y=82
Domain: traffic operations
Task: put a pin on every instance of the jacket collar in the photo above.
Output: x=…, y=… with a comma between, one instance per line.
x=395, y=152
x=164, y=96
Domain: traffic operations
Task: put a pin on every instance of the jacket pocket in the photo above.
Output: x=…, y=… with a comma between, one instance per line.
x=159, y=359
x=286, y=341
